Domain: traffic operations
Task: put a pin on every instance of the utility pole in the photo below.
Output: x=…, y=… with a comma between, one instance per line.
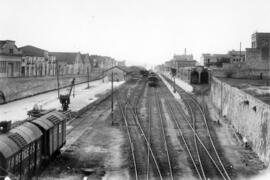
x=88, y=79
x=221, y=93
x=240, y=51
x=57, y=75
x=174, y=90
x=173, y=71
x=112, y=93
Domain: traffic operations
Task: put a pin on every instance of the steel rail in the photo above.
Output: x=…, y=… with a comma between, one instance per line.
x=195, y=141
x=130, y=140
x=199, y=139
x=182, y=136
x=135, y=115
x=208, y=131
x=149, y=136
x=210, y=137
x=163, y=132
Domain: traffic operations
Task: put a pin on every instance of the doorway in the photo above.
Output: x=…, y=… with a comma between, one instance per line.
x=10, y=72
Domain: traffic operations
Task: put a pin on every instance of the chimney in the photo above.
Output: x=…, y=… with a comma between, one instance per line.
x=5, y=126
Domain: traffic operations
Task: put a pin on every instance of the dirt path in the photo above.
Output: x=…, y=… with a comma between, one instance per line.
x=93, y=149
x=244, y=161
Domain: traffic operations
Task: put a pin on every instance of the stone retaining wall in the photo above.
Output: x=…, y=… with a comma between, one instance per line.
x=18, y=88
x=249, y=115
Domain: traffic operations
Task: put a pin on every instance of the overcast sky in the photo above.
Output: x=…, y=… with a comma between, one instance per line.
x=139, y=31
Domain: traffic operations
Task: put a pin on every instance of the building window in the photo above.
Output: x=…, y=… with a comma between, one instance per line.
x=2, y=66
x=11, y=51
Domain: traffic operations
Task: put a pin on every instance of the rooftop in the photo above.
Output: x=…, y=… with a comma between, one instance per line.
x=32, y=51
x=66, y=57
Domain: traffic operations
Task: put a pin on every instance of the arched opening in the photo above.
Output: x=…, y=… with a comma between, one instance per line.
x=194, y=77
x=204, y=77
x=2, y=98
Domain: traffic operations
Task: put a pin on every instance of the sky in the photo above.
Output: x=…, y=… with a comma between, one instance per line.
x=142, y=32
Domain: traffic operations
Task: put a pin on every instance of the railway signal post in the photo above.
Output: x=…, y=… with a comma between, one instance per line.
x=88, y=78
x=173, y=74
x=112, y=98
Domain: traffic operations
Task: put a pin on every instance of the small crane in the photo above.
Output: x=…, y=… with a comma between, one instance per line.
x=65, y=99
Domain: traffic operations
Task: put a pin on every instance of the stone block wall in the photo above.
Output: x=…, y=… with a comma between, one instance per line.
x=249, y=115
x=17, y=88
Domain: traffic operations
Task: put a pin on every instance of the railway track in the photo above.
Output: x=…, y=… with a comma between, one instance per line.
x=137, y=133
x=134, y=112
x=185, y=139
x=157, y=103
x=192, y=103
x=197, y=117
x=149, y=116
x=123, y=112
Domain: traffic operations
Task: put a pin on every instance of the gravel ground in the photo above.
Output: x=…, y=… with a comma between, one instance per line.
x=244, y=161
x=97, y=150
x=93, y=149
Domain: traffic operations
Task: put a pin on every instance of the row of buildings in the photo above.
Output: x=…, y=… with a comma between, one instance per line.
x=180, y=61
x=30, y=61
x=253, y=62
x=186, y=68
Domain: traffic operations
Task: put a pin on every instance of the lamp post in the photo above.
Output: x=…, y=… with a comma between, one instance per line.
x=88, y=79
x=112, y=94
x=57, y=76
x=173, y=71
x=174, y=84
x=221, y=94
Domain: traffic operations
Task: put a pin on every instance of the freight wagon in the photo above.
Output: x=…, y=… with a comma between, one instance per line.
x=25, y=148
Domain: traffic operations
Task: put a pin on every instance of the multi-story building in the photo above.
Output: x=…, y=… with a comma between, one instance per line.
x=215, y=60
x=258, y=56
x=68, y=62
x=101, y=63
x=252, y=63
x=10, y=59
x=108, y=62
x=237, y=56
x=121, y=63
x=86, y=63
x=181, y=61
x=37, y=62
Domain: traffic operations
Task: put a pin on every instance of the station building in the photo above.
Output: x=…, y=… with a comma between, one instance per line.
x=195, y=75
x=86, y=67
x=258, y=56
x=118, y=73
x=69, y=63
x=252, y=63
x=10, y=59
x=37, y=62
x=187, y=69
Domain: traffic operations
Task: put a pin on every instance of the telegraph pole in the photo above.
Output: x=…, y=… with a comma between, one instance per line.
x=112, y=94
x=240, y=50
x=57, y=75
x=173, y=71
x=221, y=93
x=174, y=90
x=88, y=79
